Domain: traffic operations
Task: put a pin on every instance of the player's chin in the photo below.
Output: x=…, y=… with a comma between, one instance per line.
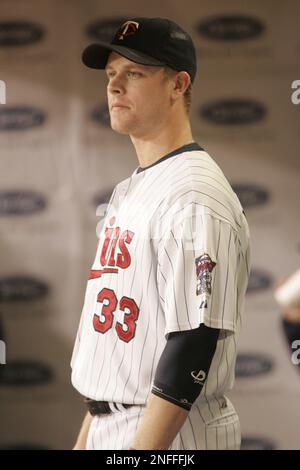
x=119, y=127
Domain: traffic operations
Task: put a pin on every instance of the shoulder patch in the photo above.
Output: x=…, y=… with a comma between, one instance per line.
x=204, y=267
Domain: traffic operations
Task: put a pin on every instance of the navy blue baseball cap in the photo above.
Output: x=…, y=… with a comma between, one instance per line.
x=147, y=41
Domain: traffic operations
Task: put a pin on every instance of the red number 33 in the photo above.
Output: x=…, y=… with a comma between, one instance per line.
x=104, y=321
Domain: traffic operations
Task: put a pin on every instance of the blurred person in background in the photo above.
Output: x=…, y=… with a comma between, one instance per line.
x=287, y=294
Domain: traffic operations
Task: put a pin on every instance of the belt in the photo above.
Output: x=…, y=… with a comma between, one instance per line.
x=100, y=407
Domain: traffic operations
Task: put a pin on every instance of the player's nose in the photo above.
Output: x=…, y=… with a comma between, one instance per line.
x=115, y=84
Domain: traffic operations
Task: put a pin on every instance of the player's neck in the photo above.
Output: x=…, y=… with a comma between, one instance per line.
x=151, y=148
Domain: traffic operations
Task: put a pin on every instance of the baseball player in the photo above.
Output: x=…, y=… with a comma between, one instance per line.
x=157, y=341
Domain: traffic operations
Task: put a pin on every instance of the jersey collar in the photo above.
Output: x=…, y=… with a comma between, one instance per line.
x=184, y=148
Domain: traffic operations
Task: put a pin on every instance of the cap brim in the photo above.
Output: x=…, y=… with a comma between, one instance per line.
x=95, y=55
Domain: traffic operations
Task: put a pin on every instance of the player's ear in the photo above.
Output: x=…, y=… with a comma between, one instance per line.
x=181, y=82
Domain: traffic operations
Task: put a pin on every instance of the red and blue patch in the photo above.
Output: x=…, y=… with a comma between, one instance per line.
x=204, y=267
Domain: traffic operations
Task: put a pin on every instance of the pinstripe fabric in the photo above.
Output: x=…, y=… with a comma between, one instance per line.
x=117, y=431
x=143, y=286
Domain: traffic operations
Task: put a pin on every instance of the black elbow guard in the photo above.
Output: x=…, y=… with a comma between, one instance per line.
x=184, y=365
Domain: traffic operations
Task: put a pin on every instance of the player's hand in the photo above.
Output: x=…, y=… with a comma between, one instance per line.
x=292, y=314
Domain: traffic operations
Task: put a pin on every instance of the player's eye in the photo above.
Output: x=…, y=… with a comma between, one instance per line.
x=133, y=73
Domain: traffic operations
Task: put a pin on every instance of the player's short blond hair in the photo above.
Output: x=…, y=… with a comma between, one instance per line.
x=169, y=73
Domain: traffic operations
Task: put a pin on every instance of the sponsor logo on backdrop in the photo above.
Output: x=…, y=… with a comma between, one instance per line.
x=230, y=27
x=296, y=94
x=259, y=280
x=20, y=373
x=257, y=443
x=2, y=92
x=101, y=115
x=104, y=30
x=20, y=33
x=16, y=288
x=233, y=111
x=21, y=203
x=251, y=195
x=252, y=365
x=19, y=118
x=102, y=197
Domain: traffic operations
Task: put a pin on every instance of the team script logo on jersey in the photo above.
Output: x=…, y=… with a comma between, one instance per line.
x=204, y=267
x=114, y=253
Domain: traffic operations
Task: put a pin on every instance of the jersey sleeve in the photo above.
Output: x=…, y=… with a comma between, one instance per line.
x=199, y=262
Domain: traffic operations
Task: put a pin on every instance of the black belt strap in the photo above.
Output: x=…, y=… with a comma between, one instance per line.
x=100, y=407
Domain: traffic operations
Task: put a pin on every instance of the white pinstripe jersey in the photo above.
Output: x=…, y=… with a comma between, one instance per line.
x=173, y=253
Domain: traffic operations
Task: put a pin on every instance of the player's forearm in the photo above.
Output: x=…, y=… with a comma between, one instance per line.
x=160, y=424
x=82, y=436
